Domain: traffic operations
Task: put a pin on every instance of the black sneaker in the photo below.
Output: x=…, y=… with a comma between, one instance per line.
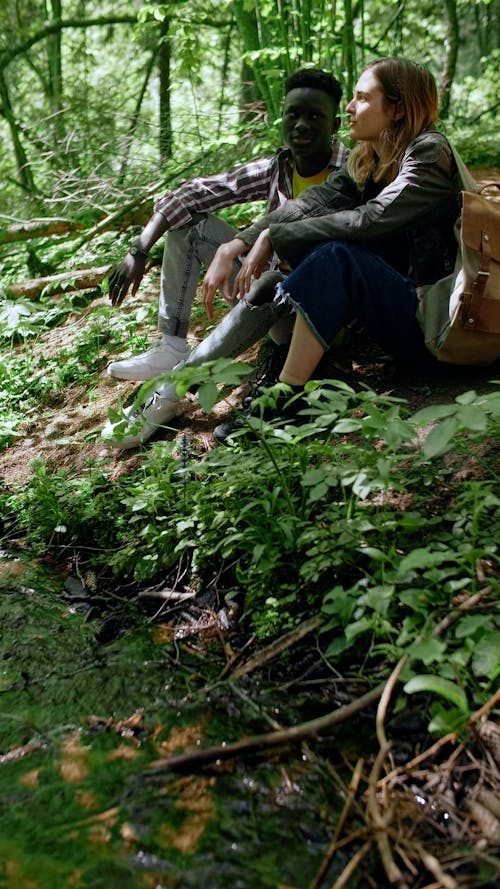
x=287, y=408
x=268, y=372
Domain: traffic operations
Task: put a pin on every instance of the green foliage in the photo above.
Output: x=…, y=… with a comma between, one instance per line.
x=19, y=320
x=344, y=515
x=61, y=511
x=474, y=119
x=77, y=142
x=444, y=720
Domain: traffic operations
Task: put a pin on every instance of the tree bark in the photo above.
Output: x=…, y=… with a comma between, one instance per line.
x=452, y=35
x=349, y=47
x=39, y=228
x=135, y=117
x=247, y=26
x=23, y=168
x=164, y=58
x=54, y=53
x=79, y=279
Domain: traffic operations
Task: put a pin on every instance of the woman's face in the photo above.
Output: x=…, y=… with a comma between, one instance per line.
x=369, y=112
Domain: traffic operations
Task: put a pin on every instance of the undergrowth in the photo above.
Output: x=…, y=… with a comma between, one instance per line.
x=359, y=515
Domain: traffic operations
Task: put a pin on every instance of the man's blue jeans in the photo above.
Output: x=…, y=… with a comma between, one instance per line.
x=340, y=281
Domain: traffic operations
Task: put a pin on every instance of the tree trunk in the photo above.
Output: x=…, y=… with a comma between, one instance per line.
x=56, y=80
x=135, y=117
x=349, y=47
x=23, y=168
x=452, y=35
x=246, y=21
x=164, y=57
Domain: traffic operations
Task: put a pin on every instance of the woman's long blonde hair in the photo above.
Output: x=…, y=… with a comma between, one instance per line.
x=413, y=89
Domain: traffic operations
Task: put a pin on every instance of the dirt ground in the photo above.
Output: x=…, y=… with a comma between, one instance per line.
x=66, y=433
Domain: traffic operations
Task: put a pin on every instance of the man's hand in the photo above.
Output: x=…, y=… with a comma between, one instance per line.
x=255, y=262
x=129, y=271
x=220, y=272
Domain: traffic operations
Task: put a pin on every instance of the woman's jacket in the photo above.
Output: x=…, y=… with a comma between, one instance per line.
x=417, y=211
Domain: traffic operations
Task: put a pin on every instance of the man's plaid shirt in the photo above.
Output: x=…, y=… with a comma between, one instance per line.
x=267, y=179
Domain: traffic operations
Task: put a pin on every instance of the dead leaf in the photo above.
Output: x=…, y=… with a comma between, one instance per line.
x=30, y=779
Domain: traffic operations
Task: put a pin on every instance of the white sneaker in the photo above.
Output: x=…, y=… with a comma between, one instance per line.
x=148, y=364
x=137, y=425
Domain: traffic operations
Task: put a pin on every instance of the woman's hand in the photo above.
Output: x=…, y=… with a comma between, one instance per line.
x=220, y=272
x=255, y=262
x=129, y=271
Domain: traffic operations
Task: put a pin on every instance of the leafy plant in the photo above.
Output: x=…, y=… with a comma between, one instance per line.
x=20, y=319
x=343, y=515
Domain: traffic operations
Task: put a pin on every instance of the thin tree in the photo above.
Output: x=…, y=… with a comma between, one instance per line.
x=450, y=66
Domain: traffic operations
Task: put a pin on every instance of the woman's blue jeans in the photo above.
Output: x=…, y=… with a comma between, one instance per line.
x=340, y=281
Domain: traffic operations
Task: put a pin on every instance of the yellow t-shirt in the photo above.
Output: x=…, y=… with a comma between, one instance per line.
x=300, y=183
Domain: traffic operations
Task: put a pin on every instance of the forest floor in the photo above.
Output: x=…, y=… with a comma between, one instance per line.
x=65, y=431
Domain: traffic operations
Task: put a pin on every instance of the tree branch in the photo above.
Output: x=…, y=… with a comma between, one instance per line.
x=8, y=55
x=311, y=729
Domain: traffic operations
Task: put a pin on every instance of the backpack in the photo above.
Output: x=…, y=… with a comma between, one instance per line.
x=470, y=331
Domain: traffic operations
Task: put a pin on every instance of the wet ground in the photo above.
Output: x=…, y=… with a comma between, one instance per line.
x=89, y=703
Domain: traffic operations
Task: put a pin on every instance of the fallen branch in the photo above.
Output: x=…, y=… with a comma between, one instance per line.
x=38, y=228
x=77, y=279
x=311, y=729
x=136, y=212
x=276, y=647
x=380, y=821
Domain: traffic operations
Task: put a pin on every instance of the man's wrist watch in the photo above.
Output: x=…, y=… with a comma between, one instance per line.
x=138, y=251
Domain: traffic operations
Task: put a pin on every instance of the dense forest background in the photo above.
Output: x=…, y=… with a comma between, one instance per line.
x=98, y=102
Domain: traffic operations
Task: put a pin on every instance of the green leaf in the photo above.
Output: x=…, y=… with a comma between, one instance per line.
x=439, y=438
x=469, y=397
x=486, y=657
x=468, y=625
x=318, y=492
x=347, y=425
x=208, y=394
x=358, y=627
x=339, y=601
x=421, y=558
x=432, y=413
x=428, y=650
x=338, y=645
x=446, y=720
x=379, y=598
x=473, y=417
x=439, y=686
x=415, y=598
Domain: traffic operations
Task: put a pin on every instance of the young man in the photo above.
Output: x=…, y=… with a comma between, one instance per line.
x=312, y=151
